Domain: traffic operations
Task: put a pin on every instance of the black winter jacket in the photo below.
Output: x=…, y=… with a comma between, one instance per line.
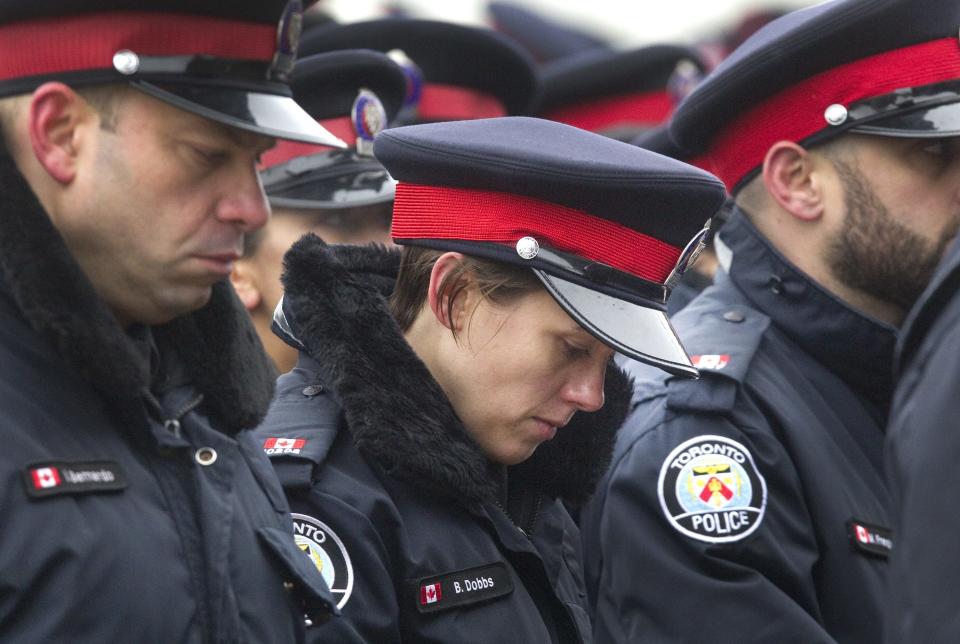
x=135, y=507
x=923, y=447
x=420, y=537
x=750, y=505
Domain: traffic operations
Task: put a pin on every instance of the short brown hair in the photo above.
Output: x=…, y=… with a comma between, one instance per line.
x=497, y=282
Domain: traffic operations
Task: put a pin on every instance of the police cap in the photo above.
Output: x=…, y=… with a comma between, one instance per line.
x=543, y=39
x=457, y=72
x=226, y=61
x=881, y=67
x=603, y=224
x=619, y=93
x=354, y=93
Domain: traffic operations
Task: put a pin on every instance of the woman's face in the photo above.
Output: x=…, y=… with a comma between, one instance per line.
x=519, y=371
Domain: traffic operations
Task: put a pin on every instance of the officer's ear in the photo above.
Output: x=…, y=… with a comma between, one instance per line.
x=794, y=180
x=448, y=291
x=245, y=283
x=55, y=120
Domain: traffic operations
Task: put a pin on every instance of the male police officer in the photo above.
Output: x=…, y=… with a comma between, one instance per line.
x=344, y=196
x=751, y=506
x=134, y=507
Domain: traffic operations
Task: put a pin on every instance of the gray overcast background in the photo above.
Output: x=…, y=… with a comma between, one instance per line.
x=620, y=22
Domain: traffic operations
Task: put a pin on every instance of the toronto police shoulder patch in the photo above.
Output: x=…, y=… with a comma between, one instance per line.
x=327, y=553
x=710, y=490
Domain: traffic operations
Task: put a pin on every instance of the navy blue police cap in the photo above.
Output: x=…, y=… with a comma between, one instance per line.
x=619, y=93
x=226, y=61
x=606, y=226
x=543, y=39
x=880, y=67
x=353, y=93
x=454, y=71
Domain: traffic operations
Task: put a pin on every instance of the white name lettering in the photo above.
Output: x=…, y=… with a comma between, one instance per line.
x=721, y=523
x=708, y=449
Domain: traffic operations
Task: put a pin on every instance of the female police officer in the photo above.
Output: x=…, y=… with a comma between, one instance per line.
x=426, y=446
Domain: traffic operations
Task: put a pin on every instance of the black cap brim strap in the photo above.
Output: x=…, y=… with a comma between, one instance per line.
x=936, y=122
x=639, y=332
x=271, y=115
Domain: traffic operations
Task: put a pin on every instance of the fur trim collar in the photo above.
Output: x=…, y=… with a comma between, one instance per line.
x=218, y=343
x=396, y=412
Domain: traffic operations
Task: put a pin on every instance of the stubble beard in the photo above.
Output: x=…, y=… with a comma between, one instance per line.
x=875, y=253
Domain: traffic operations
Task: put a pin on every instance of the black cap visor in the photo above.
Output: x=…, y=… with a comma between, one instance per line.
x=932, y=111
x=639, y=332
x=272, y=115
x=334, y=179
x=941, y=121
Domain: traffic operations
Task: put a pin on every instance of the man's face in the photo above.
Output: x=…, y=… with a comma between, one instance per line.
x=361, y=225
x=902, y=210
x=158, y=209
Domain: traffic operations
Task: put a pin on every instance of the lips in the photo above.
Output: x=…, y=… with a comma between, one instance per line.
x=219, y=263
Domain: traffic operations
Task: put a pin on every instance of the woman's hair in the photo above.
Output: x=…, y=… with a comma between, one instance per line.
x=497, y=282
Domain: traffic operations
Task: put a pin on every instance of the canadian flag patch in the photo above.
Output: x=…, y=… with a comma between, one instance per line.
x=712, y=361
x=276, y=445
x=430, y=594
x=45, y=477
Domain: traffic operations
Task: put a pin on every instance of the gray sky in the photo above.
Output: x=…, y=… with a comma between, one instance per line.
x=624, y=23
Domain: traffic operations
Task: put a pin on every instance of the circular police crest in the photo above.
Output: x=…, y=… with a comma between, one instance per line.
x=327, y=553
x=710, y=490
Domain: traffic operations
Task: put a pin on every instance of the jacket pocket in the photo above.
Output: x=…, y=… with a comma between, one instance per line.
x=301, y=577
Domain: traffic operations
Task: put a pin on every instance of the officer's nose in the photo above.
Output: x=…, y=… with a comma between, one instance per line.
x=244, y=202
x=585, y=388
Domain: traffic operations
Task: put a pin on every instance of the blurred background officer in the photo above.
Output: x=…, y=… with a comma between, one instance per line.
x=134, y=507
x=454, y=72
x=922, y=442
x=425, y=444
x=922, y=455
x=619, y=94
x=344, y=196
x=759, y=490
x=541, y=37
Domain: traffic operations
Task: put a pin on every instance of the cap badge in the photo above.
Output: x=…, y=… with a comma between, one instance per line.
x=126, y=62
x=369, y=117
x=413, y=74
x=683, y=80
x=836, y=114
x=288, y=37
x=528, y=247
x=689, y=255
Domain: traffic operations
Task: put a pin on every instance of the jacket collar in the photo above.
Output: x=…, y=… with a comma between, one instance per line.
x=397, y=413
x=855, y=346
x=43, y=283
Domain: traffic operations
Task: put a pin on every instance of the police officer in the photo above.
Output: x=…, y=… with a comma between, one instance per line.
x=454, y=72
x=424, y=445
x=344, y=196
x=922, y=453
x=540, y=36
x=619, y=94
x=136, y=506
x=751, y=506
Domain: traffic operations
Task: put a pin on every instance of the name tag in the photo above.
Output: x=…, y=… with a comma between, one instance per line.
x=61, y=477
x=870, y=539
x=463, y=587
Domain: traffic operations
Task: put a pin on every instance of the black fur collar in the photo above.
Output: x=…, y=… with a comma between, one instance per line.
x=396, y=412
x=218, y=343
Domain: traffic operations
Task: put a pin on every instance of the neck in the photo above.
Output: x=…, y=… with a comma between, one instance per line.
x=803, y=243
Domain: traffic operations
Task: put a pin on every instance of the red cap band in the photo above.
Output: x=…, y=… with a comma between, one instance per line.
x=431, y=212
x=645, y=109
x=440, y=102
x=89, y=41
x=798, y=112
